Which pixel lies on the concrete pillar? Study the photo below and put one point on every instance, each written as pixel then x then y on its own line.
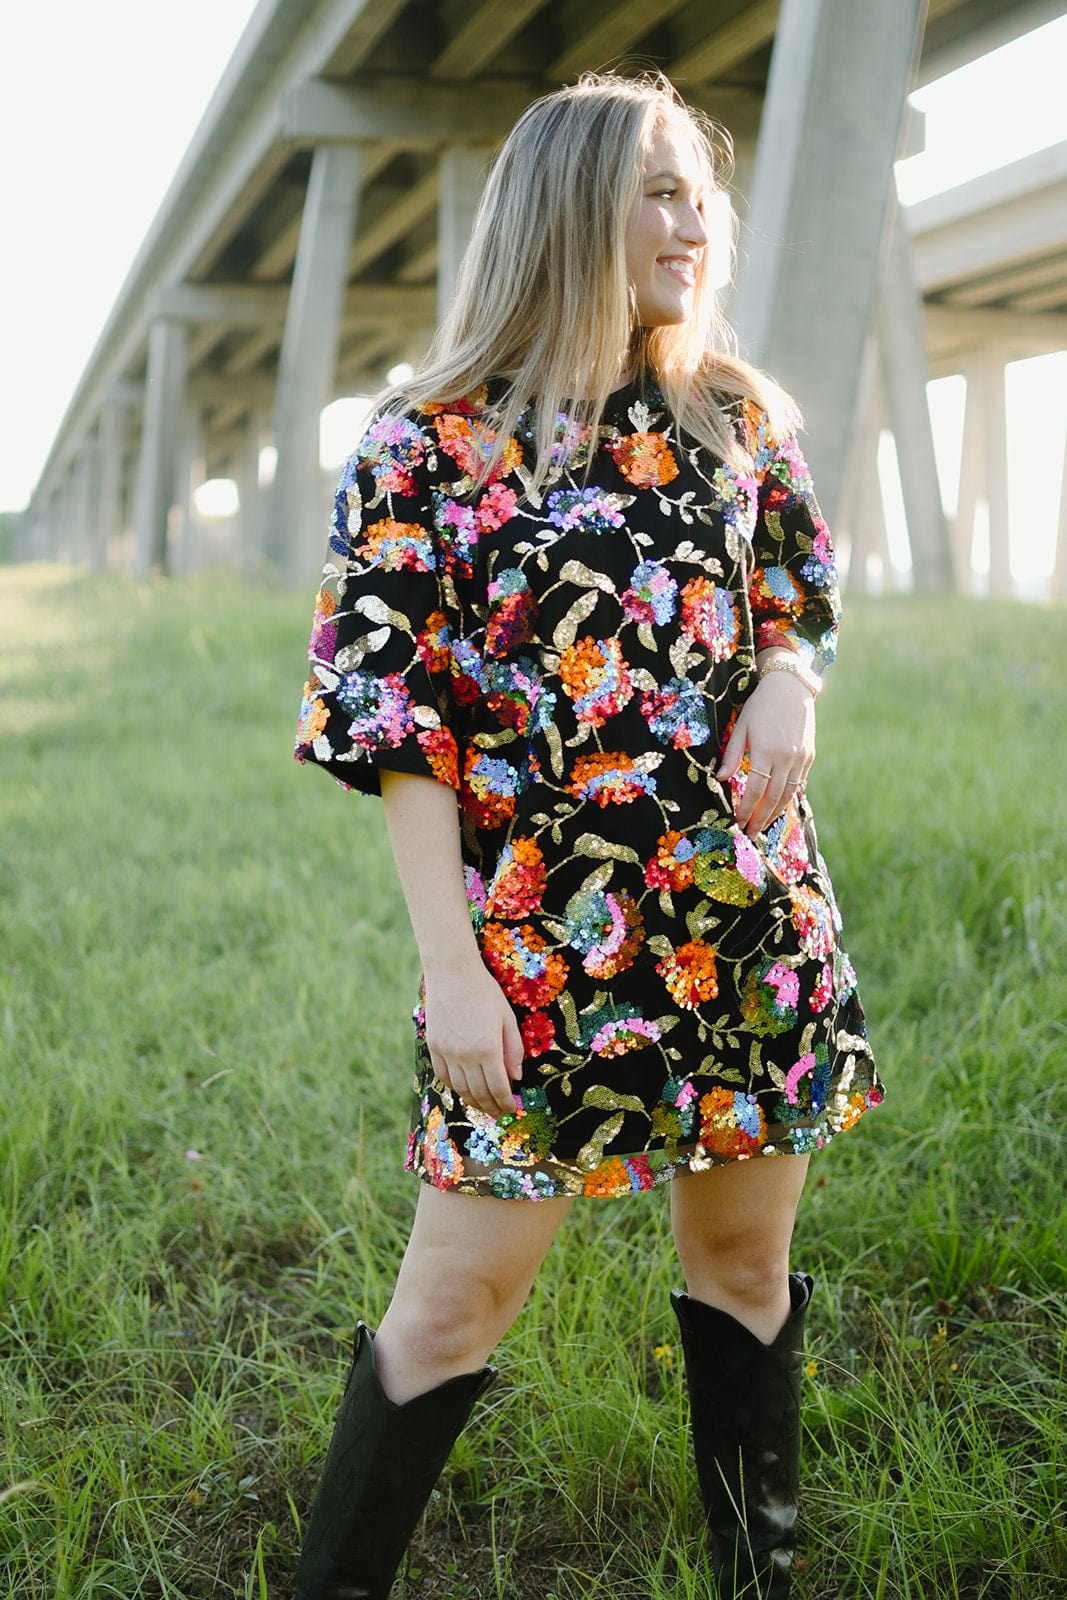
pixel 1058 584
pixel 111 490
pixel 902 346
pixel 972 481
pixel 840 72
pixel 293 541
pixel 861 512
pixel 250 511
pixel 185 532
pixel 81 505
pixel 462 173
pixel 163 407
pixel 995 427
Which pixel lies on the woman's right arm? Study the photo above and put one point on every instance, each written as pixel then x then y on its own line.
pixel 471 1032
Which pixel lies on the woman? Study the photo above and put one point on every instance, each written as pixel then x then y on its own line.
pixel 575 614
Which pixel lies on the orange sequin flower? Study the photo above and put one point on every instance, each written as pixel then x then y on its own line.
pixel 595 675
pixel 732 1125
pixel 470 446
pixel 689 973
pixel 528 972
pixel 644 459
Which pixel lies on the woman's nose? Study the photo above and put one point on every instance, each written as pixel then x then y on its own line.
pixel 692 228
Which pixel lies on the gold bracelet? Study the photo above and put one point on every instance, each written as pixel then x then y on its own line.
pixel 784 664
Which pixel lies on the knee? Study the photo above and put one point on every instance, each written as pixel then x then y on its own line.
pixel 454 1324
pixel 749 1266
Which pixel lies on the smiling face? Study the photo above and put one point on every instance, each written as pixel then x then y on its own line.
pixel 667 235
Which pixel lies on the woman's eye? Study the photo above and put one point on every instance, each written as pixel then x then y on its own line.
pixel 664 194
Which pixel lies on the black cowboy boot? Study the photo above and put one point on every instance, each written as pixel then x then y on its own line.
pixel 383 1462
pixel 744 1398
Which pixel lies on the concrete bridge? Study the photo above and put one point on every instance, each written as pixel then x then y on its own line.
pixel 316 223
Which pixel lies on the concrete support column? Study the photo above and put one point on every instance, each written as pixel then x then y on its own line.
pixel 1058 581
pixel 995 454
pixel 861 511
pixel 902 344
pixel 840 73
pixel 163 407
pixel 81 497
pixel 294 540
pixel 462 174
pixel 111 490
pixel 250 512
pixel 185 532
pixel 972 480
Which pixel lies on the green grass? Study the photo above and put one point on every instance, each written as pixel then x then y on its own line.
pixel 205 1054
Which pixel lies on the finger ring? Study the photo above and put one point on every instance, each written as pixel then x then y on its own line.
pixel 792 783
pixel 759 772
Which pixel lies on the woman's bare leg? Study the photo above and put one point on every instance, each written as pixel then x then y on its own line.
pixel 732 1229
pixel 466 1272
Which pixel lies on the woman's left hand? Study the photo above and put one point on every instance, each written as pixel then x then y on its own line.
pixel 776 726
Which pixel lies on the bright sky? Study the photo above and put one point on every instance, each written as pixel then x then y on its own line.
pixel 99 102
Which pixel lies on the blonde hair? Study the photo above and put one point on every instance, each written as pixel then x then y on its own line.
pixel 543 300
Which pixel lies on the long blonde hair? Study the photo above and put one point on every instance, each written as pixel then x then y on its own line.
pixel 543 300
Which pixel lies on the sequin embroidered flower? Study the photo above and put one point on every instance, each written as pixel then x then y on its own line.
pixel 813 920
pixel 470 444
pixel 710 617
pixel 616 1028
pixel 323 643
pixel 610 778
pixel 495 507
pixel 468 673
pixel 458 529
pixel 776 589
pixel 728 866
pixel 672 865
pixel 434 643
pixel 519 880
pixel 677 713
pixel 444 1164
pixel 732 1125
pixel 490 784
pixel 690 974
pixel 393 546
pixel 512 611
pixel 644 459
pixel 593 509
pixel 737 494
pixel 607 930
pixel 393 447
pixel 610 1178
pixel 439 748
pixel 652 594
pixel 786 849
pixel 538 1033
pixel 808 1079
pixel 313 715
pixel 769 998
pixel 820 569
pixel 380 709
pixel 517 696
pixel 823 991
pixel 527 1133
pixel 595 675
pixel 529 973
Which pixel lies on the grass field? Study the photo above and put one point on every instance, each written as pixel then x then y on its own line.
pixel 201 1194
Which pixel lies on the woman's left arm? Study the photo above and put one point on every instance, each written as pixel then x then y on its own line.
pixel 795 603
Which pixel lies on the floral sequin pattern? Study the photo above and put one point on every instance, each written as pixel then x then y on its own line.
pixel 571 665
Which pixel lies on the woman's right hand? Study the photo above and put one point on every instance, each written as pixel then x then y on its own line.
pixel 472 1036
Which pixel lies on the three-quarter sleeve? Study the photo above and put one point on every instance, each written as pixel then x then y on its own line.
pixel 793 591
pixel 378 690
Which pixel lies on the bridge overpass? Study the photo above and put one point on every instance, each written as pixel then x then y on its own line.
pixel 316 223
